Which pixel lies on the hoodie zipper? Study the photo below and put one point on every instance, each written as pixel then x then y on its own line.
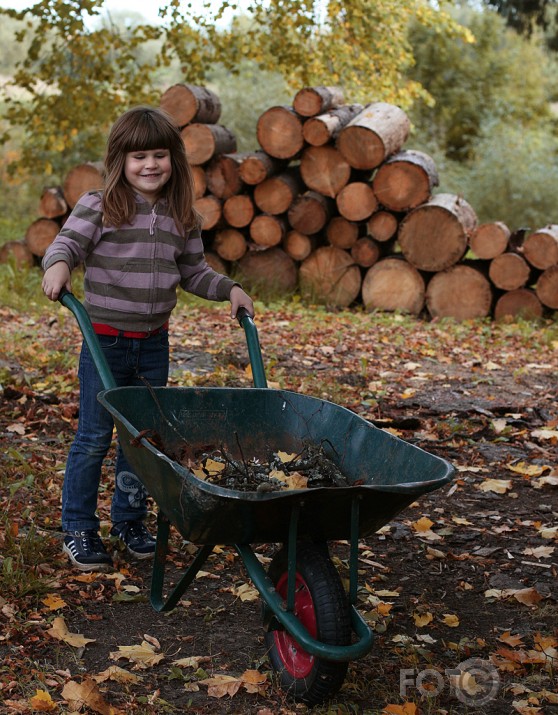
pixel 152 223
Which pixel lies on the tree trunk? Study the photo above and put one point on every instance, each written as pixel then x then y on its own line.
pixel 40 234
pixel 540 248
pixel 460 292
pixel 489 239
pixel 211 210
pixel 547 287
pixel 267 230
pixel 18 252
pixel 276 194
pixel 365 252
pixel 230 244
pixel 377 132
pixel 52 203
pixel 223 176
pixel 299 246
pixel 238 211
pixel 325 170
pixel 324 128
pixel 392 284
pixel 200 181
pixel 329 275
pixel 204 141
pixel 268 271
pixel 310 212
pixel 257 166
pixel 310 101
pixel 356 201
pixel 509 271
pixel 342 233
pixel 405 180
pixel 434 236
pixel 188 103
pixel 520 303
pixel 382 226
pixel 279 132
pixel 80 179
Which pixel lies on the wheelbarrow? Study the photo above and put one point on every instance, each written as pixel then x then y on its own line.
pixel 311 623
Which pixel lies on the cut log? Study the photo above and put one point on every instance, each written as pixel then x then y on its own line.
pixel 460 292
pixel 82 178
pixel 324 128
pixel 239 210
pixel 310 101
pixel 489 240
pixel 382 226
pixel 223 175
pixel 324 169
pixel 392 284
pixel 547 287
pixel 40 234
pixel 210 209
pixel 213 261
pixel 299 246
pixel 186 103
pixel 310 212
pixel 509 271
pixel 405 180
pixel 329 275
pixel 377 132
pixel 434 236
pixel 540 248
pixel 200 181
pixel 267 230
pixel 520 303
pixel 365 252
pixel 268 271
pixel 342 233
pixel 258 166
pixel 279 132
pixel 356 201
pixel 230 244
pixel 17 252
pixel 276 194
pixel 52 203
pixel 204 141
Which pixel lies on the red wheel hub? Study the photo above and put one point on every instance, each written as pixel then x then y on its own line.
pixel 297 661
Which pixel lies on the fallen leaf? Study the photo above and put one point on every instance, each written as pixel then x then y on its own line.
pixel 528 596
pixel 451 620
pixel 42 702
pixel 221 685
pixel 500 486
pixel 511 640
pixel 527 470
pixel 539 552
pixel 192 661
pixel 422 619
pixel 53 602
pixel 119 675
pixel 423 524
pixel 87 694
pixel 60 631
pixel 246 592
pixel 143 655
pixel 405 709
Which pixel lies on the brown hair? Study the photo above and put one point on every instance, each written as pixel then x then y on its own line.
pixel 142 129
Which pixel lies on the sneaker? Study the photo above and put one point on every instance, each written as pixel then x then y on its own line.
pixel 136 537
pixel 86 551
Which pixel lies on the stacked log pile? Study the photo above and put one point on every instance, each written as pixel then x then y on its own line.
pixel 332 204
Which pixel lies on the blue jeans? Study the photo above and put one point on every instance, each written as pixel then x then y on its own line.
pixel 128 359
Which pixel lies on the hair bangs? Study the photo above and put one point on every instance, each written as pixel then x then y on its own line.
pixel 148 133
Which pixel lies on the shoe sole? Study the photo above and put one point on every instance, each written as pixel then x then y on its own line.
pixel 101 567
pixel 140 557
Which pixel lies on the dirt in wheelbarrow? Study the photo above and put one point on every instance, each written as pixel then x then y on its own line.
pixel 460 588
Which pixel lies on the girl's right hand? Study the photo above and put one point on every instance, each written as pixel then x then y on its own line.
pixel 55 278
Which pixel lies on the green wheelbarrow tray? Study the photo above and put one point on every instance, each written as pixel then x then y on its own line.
pixel 385 475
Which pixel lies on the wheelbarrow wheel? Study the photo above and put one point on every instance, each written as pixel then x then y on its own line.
pixel 321 605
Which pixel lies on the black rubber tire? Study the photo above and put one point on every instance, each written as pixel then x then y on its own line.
pixel 320 586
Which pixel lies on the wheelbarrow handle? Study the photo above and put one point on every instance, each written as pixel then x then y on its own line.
pixel 254 350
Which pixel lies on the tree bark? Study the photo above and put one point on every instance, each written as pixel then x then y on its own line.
pixel 204 141
pixel 460 292
pixel 365 252
pixel 211 210
pixel 268 271
pixel 310 101
pixel 298 245
pixel 230 244
pixel 434 236
pixel 342 233
pixel 329 275
pixel 489 239
pixel 223 176
pixel 276 194
pixel 40 234
pixel 324 169
pixel 547 287
pixel 310 212
pixel 267 230
pixel 80 179
pixel 258 166
pixel 540 248
pixel 520 303
pixel 279 132
pixel 324 128
pixel 239 210
pixel 52 203
pixel 509 271
pixel 405 180
pixel 378 131
pixel 18 252
pixel 356 201
pixel 186 103
pixel 382 226
pixel 392 284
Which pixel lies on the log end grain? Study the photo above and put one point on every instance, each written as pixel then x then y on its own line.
pixel 460 292
pixel 186 103
pixel 402 184
pixel 324 169
pixel 489 240
pixel 17 252
pixel 310 101
pixel 268 272
pixel 540 248
pixel 80 179
pixel 520 303
pixel 267 230
pixel 509 271
pixel 279 132
pixel 210 209
pixel 382 226
pixel 547 287
pixel 391 285
pixel 238 210
pixel 330 276
pixel 356 201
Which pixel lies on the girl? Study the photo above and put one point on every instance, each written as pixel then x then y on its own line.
pixel 138 239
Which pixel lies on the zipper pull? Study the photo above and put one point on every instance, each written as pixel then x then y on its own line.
pixel 153 220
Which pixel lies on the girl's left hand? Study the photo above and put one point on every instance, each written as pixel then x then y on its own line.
pixel 240 299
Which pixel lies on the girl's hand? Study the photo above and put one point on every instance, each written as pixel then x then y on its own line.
pixel 55 278
pixel 240 299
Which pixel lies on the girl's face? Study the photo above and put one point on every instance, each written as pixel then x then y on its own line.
pixel 148 171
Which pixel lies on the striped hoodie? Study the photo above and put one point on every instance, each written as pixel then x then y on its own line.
pixel 132 272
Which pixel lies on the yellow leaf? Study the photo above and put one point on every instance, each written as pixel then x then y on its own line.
pixel 277 474
pixel 422 619
pixel 213 467
pixel 510 640
pixel 143 655
pixel 199 473
pixel 192 661
pixel 527 470
pixel 119 675
pixel 450 620
pixel 42 702
pixel 500 486
pixel 405 709
pixel 87 694
pixel 60 631
pixel 384 608
pixel 53 602
pixel 221 685
pixel 296 481
pixel 246 592
pixel 422 524
pixel 286 457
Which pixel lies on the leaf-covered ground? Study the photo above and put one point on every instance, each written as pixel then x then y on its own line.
pixel 467 572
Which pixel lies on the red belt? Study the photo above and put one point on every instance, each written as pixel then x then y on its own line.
pixel 102 329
